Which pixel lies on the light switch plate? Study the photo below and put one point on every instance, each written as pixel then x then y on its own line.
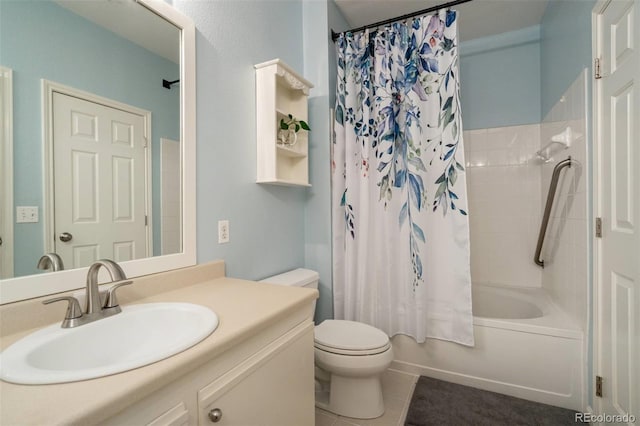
pixel 27 214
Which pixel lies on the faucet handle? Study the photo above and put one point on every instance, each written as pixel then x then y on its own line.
pixel 73 308
pixel 111 300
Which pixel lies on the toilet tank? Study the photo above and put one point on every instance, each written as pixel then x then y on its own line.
pixel 297 278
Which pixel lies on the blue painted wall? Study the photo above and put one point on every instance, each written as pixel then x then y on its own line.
pixel 565 47
pixel 500 79
pixel 338 23
pixel 566 51
pixel 267 224
pixel 43 40
pixel 318 18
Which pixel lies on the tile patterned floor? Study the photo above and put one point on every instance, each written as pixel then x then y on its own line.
pixel 397 388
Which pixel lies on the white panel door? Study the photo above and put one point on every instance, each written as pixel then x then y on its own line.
pixel 99 182
pixel 617 163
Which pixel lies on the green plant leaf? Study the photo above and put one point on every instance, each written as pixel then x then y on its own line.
pixel 441 188
pixel 297 127
pixel 304 125
pixel 283 125
pixel 453 175
pixel 290 117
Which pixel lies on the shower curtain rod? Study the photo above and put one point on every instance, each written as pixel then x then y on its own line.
pixel 335 35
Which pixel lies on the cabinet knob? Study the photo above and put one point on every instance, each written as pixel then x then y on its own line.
pixel 215 415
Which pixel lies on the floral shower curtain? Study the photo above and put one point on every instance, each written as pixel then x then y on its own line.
pixel 400 226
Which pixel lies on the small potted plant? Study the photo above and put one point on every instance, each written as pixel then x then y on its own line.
pixel 289 128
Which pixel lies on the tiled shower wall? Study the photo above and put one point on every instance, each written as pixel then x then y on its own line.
pixel 503 181
pixel 565 251
pixel 507 191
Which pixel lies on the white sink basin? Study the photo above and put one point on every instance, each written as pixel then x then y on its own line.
pixel 139 335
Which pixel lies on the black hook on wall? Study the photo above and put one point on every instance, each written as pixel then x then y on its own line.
pixel 167 84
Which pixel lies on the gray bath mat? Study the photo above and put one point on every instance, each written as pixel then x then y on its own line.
pixel 438 403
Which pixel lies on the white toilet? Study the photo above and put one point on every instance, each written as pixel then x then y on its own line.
pixel 350 357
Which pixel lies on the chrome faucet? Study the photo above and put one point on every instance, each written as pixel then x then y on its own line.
pixel 95 308
pixel 51 261
pixel 93 292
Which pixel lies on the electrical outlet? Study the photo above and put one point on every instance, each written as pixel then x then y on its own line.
pixel 223 231
pixel 26 214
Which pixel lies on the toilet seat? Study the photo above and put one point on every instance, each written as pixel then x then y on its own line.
pixel 339 351
pixel 350 338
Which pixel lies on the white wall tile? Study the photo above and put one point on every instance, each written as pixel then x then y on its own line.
pixel 579 206
pixel 565 272
pixel 504 205
pixel 496 138
pixel 467 138
pixel 479 138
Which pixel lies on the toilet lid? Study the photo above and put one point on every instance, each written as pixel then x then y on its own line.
pixel 349 336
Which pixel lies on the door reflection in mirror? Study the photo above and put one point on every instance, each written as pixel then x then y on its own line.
pixel 100 185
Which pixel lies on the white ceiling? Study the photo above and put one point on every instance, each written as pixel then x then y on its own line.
pixel 132 21
pixel 478 18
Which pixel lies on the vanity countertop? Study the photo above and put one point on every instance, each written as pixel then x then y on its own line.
pixel 243 307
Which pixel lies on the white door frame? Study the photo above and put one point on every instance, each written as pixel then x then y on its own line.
pixel 598 190
pixel 48 89
pixel 6 162
pixel 595 212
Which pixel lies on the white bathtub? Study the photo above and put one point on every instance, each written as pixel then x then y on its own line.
pixel 501 303
pixel 525 346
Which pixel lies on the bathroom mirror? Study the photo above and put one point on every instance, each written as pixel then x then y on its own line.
pixel 103 149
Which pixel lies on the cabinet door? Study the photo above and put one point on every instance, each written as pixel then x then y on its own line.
pixel 157 410
pixel 273 387
pixel 177 416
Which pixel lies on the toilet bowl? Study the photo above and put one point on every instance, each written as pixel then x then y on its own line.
pixel 349 356
pixel 354 355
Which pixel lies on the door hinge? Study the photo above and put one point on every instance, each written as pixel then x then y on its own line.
pixel 597 69
pixel 598 227
pixel 599 386
pixel 146 220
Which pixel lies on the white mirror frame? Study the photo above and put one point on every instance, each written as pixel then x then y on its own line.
pixel 15 289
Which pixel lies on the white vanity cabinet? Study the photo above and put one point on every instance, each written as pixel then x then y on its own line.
pixel 265 389
pixel 266 380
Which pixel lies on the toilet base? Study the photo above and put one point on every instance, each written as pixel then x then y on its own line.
pixel 356 397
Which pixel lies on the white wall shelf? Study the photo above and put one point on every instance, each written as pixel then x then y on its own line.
pixel 287 151
pixel 281 91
